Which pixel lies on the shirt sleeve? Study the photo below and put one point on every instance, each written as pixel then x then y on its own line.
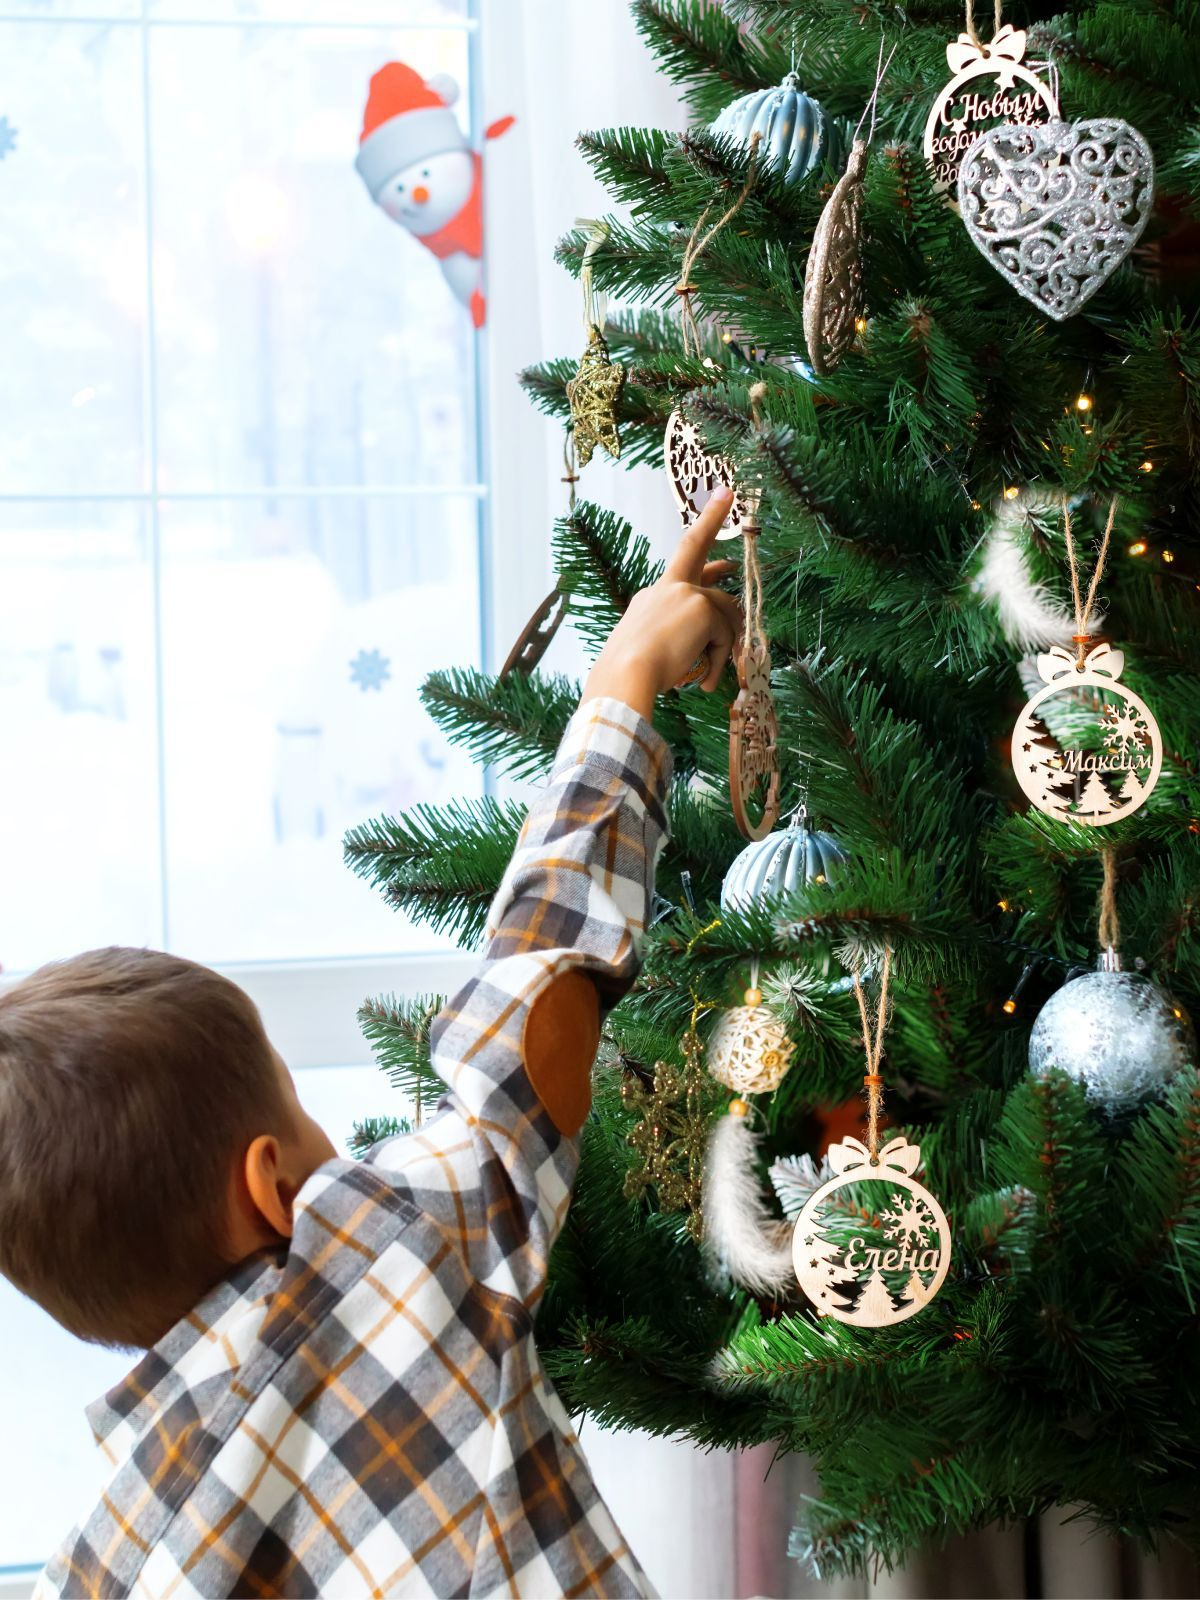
pixel 574 898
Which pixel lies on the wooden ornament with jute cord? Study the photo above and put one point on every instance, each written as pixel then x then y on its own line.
pixel 1085 748
pixel 871 1246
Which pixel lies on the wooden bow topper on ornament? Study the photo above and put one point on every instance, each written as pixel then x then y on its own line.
pixel 850 1153
pixel 876 1261
pixel 694 472
pixel 1007 50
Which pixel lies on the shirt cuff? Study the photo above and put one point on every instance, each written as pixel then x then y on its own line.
pixel 609 733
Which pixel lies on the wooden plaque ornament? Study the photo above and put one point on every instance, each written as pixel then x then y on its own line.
pixel 694 472
pixel 970 104
pixel 534 638
pixel 1085 748
pixel 871 1256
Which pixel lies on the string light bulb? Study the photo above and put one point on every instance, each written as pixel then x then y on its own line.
pixel 1138 547
pixel 1083 402
pixel 1146 466
pixel 860 324
pixel 1168 556
pixel 1010 1005
pixel 1011 492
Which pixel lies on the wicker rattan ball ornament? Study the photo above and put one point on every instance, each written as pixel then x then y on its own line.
pixel 796 136
pixel 785 860
pixel 749 1050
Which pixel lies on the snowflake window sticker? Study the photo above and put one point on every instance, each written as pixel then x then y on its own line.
pixel 370 670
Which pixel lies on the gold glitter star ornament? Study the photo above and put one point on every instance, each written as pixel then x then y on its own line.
pixel 593 394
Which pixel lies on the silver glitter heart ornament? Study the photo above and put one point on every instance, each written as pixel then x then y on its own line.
pixel 1057 207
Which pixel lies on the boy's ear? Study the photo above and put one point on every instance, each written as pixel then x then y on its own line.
pixel 266 1185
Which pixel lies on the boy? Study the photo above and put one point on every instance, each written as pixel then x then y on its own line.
pixel 341 1394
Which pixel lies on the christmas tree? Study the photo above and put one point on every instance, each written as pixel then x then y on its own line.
pixel 911 549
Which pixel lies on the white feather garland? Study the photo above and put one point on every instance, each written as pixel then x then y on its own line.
pixel 742 1241
pixel 1025 609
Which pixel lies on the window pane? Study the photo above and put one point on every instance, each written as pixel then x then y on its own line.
pixel 296 633
pixel 69 8
pixel 50 1471
pixel 78 807
pixel 389 13
pixel 303 337
pixel 72 260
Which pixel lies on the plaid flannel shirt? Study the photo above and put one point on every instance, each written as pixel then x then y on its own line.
pixel 368 1414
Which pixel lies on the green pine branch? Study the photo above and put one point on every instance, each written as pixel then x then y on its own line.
pixel 513 723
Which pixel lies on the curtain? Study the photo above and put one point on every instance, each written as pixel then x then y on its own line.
pixel 704 1524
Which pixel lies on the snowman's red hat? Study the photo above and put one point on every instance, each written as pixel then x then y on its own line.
pixel 407 120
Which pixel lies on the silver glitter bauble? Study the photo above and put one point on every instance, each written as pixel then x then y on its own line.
pixel 797 137
pixel 1119 1035
pixel 785 860
pixel 1056 208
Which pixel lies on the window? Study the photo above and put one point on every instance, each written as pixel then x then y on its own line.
pixel 241 516
pixel 241 496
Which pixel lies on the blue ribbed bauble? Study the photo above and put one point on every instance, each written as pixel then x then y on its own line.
pixel 797 136
pixel 785 860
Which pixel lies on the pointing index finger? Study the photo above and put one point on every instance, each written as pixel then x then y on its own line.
pixel 687 564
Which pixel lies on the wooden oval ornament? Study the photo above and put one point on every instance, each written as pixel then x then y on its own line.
pixel 871 1264
pixel 1085 748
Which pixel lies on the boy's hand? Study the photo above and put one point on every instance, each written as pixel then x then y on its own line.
pixel 666 627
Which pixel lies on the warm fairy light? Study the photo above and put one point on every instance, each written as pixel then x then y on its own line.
pixel 1004 905
pixel 1009 1007
pixel 1138 547
pixel 819 877
pixel 1168 556
pixel 1177 1012
pixel 1146 466
pixel 1011 492
pixel 1083 403
pixel 975 506
pixel 861 324
pixel 727 337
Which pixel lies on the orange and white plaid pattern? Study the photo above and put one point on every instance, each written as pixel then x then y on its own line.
pixel 367 1416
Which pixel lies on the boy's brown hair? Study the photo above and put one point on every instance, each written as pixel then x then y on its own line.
pixel 130 1082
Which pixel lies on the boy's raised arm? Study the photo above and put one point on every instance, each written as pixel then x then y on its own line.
pixel 564 933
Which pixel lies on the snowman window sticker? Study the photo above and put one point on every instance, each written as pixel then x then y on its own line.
pixel 419 169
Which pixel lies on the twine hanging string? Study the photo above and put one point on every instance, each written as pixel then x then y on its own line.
pixel 570 468
pixel 874 1026
pixel 754 636
pixel 699 243
pixel 1109 927
pixel 871 108
pixel 595 304
pixel 997 14
pixel 1083 608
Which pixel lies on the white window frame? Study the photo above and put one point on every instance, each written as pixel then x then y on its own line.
pixel 309 1007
